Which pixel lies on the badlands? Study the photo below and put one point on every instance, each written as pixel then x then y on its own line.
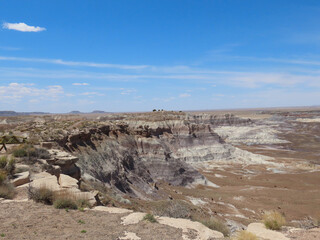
pixel 161 175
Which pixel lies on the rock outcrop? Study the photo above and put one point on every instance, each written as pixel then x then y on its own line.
pixel 138 151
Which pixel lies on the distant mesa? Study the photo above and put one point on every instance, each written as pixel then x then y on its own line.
pixel 13 113
pixel 75 112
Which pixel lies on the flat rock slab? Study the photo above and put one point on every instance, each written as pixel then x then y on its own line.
pixel 202 232
pixel 132 218
pixel 111 209
pixel 61 158
pixel 49 182
pixel 260 230
pixel 21 178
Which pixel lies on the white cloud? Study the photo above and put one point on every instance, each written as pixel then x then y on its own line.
pixel 184 95
pixel 74 63
pixel 22 27
pixel 127 92
pixel 19 91
pixel 92 94
pixel 80 84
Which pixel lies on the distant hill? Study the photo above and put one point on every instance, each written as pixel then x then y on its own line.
pixel 75 112
pixel 13 113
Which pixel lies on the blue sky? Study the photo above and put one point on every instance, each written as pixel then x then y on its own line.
pixel 137 55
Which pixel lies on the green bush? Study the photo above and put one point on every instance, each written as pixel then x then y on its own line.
pixel 19 152
pixel 149 217
pixel 42 195
pixel 28 150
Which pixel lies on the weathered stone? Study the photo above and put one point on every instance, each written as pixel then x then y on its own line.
pixel 43 180
pixel 47 145
pixel 260 230
pixel 66 181
pixel 21 178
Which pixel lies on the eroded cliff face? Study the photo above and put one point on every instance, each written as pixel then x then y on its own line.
pixel 136 152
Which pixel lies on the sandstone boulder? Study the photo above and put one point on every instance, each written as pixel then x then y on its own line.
pixel 45 180
pixel 21 178
pixel 260 230
pixel 66 181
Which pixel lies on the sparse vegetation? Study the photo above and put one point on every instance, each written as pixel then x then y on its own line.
pixel 215 224
pixel 29 151
pixel 81 222
pixel 150 218
pixel 7 190
pixel 42 195
pixel 83 231
pixel 273 220
pixel 245 235
pixel 7 167
pixel 3 176
pixel 175 209
pixel 65 199
pixel 3 161
pixel 61 203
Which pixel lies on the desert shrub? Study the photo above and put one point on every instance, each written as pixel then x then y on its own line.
pixel 215 224
pixel 3 176
pixel 7 190
pixel 83 203
pixel 24 150
pixel 3 161
pixel 175 209
pixel 65 199
pixel 42 153
pixel 245 235
pixel 149 217
pixel 273 220
pixel 11 166
pixel 42 195
pixel 19 152
pixel 61 203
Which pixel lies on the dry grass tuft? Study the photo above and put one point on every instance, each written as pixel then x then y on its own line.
pixel 66 199
pixel 61 199
pixel 215 224
pixel 42 195
pixel 149 217
pixel 7 190
pixel 273 220
pixel 245 235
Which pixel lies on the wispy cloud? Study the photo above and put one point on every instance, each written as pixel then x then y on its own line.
pixel 127 91
pixel 22 27
pixel 9 48
pixel 80 84
pixel 184 95
pixel 73 63
pixel 19 91
pixel 92 94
